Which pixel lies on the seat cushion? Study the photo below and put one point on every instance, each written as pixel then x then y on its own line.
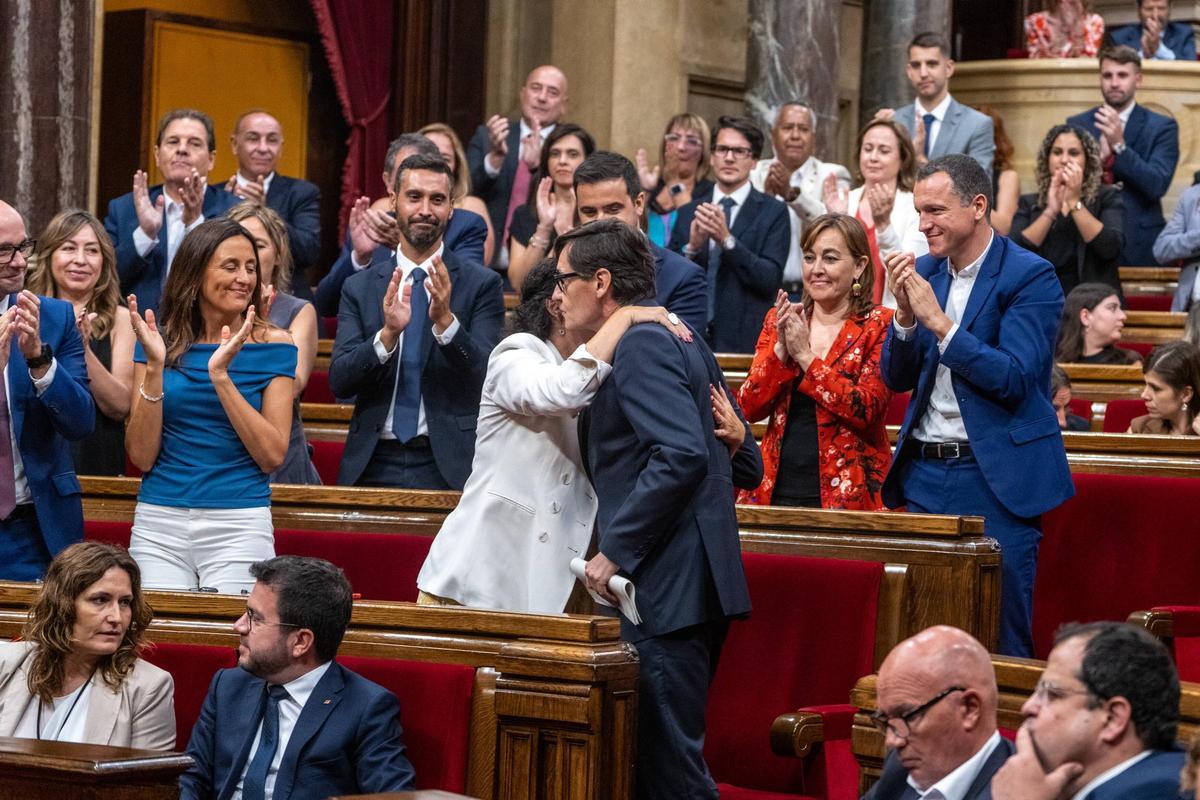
pixel 1119 413
pixel 380 566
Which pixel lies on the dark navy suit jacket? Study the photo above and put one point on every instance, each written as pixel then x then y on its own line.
pixel 145 276
pixel 1178 37
pixel 298 202
pixel 495 191
pixel 346 741
pixel 451 379
pixel 893 782
pixel 664 483
pixel 464 236
pixel 1144 170
pixel 45 426
pixel 750 274
pixel 1155 777
pixel 680 287
pixel 1000 359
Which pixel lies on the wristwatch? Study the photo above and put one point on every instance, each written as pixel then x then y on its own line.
pixel 1119 148
pixel 729 242
pixel 43 359
pixel 1078 206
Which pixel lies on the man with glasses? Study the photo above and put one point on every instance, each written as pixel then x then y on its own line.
pixel 937 701
pixel 739 236
pixel 44 406
pixel 289 721
pixel 1102 723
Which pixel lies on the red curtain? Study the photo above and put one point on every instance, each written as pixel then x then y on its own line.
pixel 358 36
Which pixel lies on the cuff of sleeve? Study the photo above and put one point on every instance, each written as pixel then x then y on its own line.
pixel 585 357
pixel 944 343
pixel 902 333
pixel 143 243
pixel 43 383
pixel 357 266
pixel 488 168
pixel 382 353
pixel 445 337
pixel 195 222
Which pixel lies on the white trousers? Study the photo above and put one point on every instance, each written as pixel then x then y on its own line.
pixel 185 549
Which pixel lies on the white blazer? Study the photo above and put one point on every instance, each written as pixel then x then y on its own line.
pixel 903 233
pixel 528 508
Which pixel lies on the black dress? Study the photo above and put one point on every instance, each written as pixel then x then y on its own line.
pixel 1074 260
pixel 1111 355
pixel 798 481
pixel 102 453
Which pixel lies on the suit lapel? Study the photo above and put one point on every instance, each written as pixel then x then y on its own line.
pixel 103 706
pixel 19 383
pixel 948 128
pixel 983 781
pixel 321 703
pixel 985 281
pixel 1133 128
pixel 161 248
pixel 278 193
pixel 747 214
pixel 251 695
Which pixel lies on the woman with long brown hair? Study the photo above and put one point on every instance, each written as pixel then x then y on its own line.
pixel 450 146
pixel 76 676
pixel 680 176
pixel 211 417
pixel 1006 183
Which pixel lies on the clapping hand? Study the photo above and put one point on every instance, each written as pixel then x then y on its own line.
pixel 150 215
pixel 647 176
pixel 1151 36
pixel 712 221
pixel 231 344
pixel 918 142
pixel 922 303
pixel 797 336
pixel 834 196
pixel 497 127
pixel 191 196
pixel 438 285
pixel 897 264
pixel 397 309
pixel 1112 130
pixel 1072 186
pixel 6 333
pixel 783 307
pixel 254 190
pixel 531 146
pixel 881 198
pixel 1055 194
pixel 83 324
pixel 779 181
pixel 148 335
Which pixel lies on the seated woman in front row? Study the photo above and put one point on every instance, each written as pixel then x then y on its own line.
pixel 1091 325
pixel 1172 391
pixel 77 677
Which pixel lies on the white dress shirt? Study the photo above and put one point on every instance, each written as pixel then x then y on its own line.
pixel 525 130
pixel 939 114
pixel 40 385
pixel 64 721
pixel 176 230
pixel 298 691
pixel 242 181
pixel 384 354
pixel 942 420
pixel 739 196
pixel 1108 775
pixel 809 178
pixel 956 785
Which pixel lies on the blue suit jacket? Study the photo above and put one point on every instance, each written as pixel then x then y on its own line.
pixel 451 378
pixel 45 426
pixel 298 202
pixel 665 483
pixel 1144 170
pixel 1178 37
pixel 495 192
pixel 464 236
pixel 1155 777
pixel 1000 358
pixel 346 741
pixel 680 287
pixel 750 274
pixel 145 276
pixel 893 781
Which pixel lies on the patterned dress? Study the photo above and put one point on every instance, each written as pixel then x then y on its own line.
pixel 1039 38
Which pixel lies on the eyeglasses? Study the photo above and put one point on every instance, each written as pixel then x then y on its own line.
pixel 689 141
pixel 723 150
pixel 1047 692
pixel 562 278
pixel 9 251
pixel 254 619
pixel 901 725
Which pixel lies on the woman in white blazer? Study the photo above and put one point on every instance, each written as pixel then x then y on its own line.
pixel 528 507
pixel 76 677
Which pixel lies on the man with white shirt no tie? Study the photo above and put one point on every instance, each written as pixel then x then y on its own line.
pixel 973 340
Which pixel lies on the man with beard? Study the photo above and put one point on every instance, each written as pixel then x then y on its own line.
pixel 289 722
pixel 413 340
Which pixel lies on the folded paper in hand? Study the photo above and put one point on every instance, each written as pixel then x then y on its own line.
pixel 623 588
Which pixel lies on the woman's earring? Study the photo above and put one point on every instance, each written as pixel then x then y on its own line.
pixel 856 288
pixel 562 331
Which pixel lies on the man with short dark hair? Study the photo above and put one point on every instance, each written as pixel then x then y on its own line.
pixel 1138 147
pixel 289 721
pixel 973 341
pixel 739 237
pixel 413 339
pixel 1102 723
pixel 1155 36
pixel 607 187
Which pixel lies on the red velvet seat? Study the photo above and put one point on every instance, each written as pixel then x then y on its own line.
pixel 1185 641
pixel 1148 302
pixel 1119 413
pixel 380 566
pixel 330 326
pixel 1123 543
pixel 897 406
pixel 192 666
pixel 317 389
pixel 810 637
pixel 327 458
pixel 1140 347
pixel 108 532
pixel 1081 407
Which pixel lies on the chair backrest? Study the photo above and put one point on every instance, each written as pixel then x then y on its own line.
pixel 1120 412
pixel 380 566
pixel 192 666
pixel 108 532
pixel 327 458
pixel 1082 407
pixel 317 389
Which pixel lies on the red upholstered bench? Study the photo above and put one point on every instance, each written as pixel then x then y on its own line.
pixel 317 389
pixel 107 532
pixel 380 566
pixel 1119 413
pixel 192 666
pixel 810 637
pixel 327 458
pixel 1139 347
pixel 1182 634
pixel 896 409
pixel 1148 302
pixel 330 326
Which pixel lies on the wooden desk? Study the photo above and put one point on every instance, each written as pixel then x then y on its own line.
pixel 38 770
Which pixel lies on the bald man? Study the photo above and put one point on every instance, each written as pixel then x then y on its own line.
pixel 503 153
pixel 936 700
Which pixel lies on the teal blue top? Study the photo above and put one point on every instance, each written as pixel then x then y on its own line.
pixel 201 462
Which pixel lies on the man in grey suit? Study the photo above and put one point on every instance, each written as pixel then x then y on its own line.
pixel 938 124
pixel 1180 241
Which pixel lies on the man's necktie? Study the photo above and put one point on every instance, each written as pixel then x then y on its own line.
pixel 8 485
pixel 408 390
pixel 714 258
pixel 928 118
pixel 254 785
pixel 519 193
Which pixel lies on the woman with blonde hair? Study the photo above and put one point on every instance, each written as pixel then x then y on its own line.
pixel 450 146
pixel 75 261
pixel 76 676
pixel 681 174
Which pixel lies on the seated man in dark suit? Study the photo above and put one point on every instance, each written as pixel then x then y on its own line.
pixel 147 225
pixel 607 187
pixel 1155 36
pixel 1101 724
pixel 739 237
pixel 413 340
pixel 937 701
pixel 1139 149
pixel 373 233
pixel 289 722
pixel 257 141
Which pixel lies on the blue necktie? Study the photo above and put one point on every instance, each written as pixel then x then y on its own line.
pixel 408 390
pixel 254 785
pixel 714 258
pixel 929 118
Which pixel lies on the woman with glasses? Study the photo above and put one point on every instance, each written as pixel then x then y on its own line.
pixel 549 208
pixel 75 261
pixel 680 176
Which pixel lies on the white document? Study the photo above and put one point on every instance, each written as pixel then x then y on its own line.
pixel 622 587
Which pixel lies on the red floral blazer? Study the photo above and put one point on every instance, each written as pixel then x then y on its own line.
pixel 851 401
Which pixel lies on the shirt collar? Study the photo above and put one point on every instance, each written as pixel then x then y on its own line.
pixel 242 181
pixel 739 194
pixel 971 270
pixel 956 785
pixel 1124 115
pixel 525 129
pixel 408 266
pixel 1109 774
pixel 939 111
pixel 301 688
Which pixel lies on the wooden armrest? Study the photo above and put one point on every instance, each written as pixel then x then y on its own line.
pixel 794 734
pixel 1167 622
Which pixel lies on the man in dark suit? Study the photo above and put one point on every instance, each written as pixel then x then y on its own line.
pixel 503 154
pixel 373 234
pixel 1155 36
pixel 937 700
pixel 44 406
pixel 607 187
pixel 664 485
pixel 739 237
pixel 412 346
pixel 1139 150
pixel 147 225
pixel 257 141
pixel 973 341
pixel 1101 724
pixel 289 722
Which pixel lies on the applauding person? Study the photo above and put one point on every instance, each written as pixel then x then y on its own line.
pixel 681 174
pixel 212 410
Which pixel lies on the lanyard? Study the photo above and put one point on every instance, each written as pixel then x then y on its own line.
pixel 78 694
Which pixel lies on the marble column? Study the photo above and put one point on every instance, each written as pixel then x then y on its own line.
pixel 889 26
pixel 792 54
pixel 45 105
